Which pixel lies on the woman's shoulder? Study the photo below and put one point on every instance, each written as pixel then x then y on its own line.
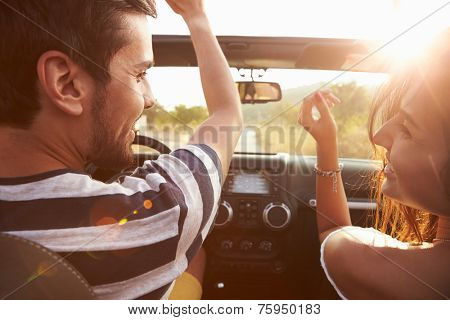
pixel 353 235
pixel 367 264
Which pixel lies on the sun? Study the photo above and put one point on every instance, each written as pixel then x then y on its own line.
pixel 412 30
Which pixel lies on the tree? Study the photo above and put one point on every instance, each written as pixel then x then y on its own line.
pixel 193 115
pixel 180 117
pixel 351 117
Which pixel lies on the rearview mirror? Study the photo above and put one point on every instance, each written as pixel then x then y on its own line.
pixel 258 92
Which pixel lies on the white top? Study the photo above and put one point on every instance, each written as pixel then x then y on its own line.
pixel 368 236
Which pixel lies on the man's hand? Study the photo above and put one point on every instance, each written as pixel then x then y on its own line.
pixel 187 8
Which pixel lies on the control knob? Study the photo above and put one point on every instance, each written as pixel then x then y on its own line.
pixel 277 216
pixel 224 214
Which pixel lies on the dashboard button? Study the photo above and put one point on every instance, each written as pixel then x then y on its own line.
pixel 226 245
pixel 265 245
pixel 246 245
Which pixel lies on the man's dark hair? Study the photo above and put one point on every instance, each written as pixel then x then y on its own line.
pixel 90 32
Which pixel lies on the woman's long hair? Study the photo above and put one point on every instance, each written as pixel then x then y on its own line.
pixel 390 216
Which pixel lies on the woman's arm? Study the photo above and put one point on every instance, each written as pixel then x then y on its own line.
pixel 222 129
pixel 332 209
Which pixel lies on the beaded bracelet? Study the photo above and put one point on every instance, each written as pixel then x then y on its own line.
pixel 329 173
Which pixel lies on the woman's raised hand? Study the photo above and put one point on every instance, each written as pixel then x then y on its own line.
pixel 187 8
pixel 323 129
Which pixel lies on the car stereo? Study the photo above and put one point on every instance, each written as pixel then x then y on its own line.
pixel 247 182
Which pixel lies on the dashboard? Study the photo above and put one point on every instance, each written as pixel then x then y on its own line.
pixel 265 244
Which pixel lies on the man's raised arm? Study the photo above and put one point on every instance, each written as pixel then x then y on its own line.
pixel 223 127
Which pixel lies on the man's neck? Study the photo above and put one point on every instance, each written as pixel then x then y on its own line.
pixel 23 153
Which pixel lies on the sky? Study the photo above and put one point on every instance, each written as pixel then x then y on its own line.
pixel 379 20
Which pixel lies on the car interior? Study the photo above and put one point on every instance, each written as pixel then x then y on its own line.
pixel 264 244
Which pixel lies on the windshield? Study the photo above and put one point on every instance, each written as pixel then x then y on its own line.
pixel 270 127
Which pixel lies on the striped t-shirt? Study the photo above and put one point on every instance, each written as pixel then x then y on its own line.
pixel 130 239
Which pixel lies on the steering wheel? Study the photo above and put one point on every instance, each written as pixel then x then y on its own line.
pixel 152 143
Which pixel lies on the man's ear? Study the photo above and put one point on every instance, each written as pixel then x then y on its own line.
pixel 62 81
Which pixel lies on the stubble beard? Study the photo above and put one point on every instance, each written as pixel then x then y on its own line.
pixel 105 152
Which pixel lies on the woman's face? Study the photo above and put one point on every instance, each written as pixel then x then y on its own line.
pixel 416 151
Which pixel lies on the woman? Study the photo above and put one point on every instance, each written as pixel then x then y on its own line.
pixel 408 257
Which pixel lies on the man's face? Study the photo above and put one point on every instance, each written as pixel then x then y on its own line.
pixel 117 106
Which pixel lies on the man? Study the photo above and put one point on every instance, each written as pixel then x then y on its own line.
pixel 72 85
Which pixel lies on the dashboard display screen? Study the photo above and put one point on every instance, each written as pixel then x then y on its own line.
pixel 248 182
